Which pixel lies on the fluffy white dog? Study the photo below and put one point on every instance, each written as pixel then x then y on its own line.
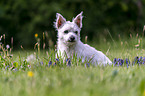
pixel 69 42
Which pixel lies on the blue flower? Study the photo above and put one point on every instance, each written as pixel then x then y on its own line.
pixel 140 60
pixel 68 62
pixel 118 62
pixel 50 63
pixel 137 59
pixel 121 62
pixel 57 59
pixel 115 61
pixel 127 62
pixel 144 60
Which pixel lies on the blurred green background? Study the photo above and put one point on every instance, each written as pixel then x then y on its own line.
pixel 21 19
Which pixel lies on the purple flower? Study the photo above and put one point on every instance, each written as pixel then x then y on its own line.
pixel 127 62
pixel 7 67
pixel 140 60
pixel 15 69
pixel 121 62
pixel 41 63
pixel 68 62
pixel 118 62
pixel 127 66
pixel 57 59
pixel 137 59
pixel 144 60
pixel 115 61
pixel 87 65
pixel 50 63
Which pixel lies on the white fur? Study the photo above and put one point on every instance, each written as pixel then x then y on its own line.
pixel 65 48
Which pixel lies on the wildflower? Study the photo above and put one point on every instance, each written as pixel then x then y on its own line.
pixel 144 93
pixel 41 63
pixel 136 60
pixel 127 62
pixel 56 61
pixel 30 74
pixel 36 35
pixel 15 69
pixel 115 61
pixel 7 67
pixel 127 66
pixel 29 66
pixel 143 60
pixel 68 62
pixel 50 63
pixel 121 62
pixel 87 65
pixel 7 46
pixel 118 62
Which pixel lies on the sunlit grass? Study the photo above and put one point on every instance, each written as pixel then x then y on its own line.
pixel 40 77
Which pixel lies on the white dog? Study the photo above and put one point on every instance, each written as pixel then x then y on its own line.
pixel 69 41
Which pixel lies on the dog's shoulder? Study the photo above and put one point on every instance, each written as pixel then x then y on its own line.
pixel 89 47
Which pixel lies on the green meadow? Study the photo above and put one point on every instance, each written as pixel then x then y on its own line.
pixel 44 76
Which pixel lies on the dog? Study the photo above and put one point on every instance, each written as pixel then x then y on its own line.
pixel 69 42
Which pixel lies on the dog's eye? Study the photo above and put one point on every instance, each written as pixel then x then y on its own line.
pixel 76 32
pixel 66 31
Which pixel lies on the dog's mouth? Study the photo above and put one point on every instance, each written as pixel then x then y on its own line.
pixel 71 41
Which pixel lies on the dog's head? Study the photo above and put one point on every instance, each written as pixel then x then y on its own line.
pixel 68 32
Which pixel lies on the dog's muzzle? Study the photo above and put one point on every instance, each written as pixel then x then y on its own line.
pixel 71 39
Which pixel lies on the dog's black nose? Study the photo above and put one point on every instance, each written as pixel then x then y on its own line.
pixel 71 39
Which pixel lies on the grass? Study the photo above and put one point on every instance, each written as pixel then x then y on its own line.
pixel 21 78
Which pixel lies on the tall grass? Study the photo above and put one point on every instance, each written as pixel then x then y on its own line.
pixel 39 73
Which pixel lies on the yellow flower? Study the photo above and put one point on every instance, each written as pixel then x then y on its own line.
pixel 36 35
pixel 144 93
pixel 30 74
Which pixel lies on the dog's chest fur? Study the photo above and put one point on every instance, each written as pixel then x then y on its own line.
pixel 81 50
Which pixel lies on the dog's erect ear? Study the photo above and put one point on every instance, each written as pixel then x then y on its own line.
pixel 60 20
pixel 78 20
